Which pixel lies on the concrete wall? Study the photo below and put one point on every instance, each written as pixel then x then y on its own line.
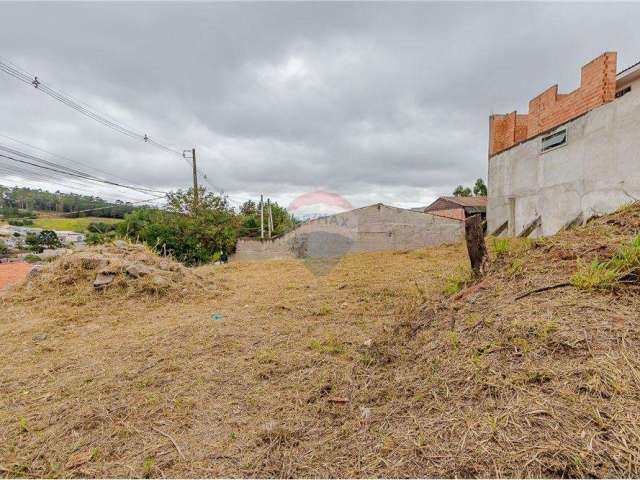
pixel 597 170
pixel 375 228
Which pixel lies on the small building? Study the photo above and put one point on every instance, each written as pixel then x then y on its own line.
pixel 375 228
pixel 459 208
pixel 573 156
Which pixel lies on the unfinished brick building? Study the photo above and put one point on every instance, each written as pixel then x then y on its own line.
pixel 570 157
pixel 550 108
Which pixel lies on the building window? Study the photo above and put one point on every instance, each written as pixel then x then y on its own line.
pixel 554 140
pixel 622 92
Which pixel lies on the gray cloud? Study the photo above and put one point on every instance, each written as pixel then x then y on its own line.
pixel 376 101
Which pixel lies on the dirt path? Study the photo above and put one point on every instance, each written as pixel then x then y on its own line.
pixel 12 273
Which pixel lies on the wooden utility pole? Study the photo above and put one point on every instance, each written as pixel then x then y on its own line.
pixel 261 217
pixel 269 218
pixel 475 244
pixel 195 179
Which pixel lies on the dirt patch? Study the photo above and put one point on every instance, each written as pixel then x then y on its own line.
pixel 12 273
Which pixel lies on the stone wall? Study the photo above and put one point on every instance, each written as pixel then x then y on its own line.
pixel 597 171
pixel 375 228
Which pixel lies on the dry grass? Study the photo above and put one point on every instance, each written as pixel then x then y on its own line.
pixel 367 371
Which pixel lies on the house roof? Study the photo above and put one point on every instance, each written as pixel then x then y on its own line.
pixel 468 201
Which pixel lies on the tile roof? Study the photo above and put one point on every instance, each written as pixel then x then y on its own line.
pixel 468 201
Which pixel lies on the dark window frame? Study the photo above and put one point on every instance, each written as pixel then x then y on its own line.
pixel 555 140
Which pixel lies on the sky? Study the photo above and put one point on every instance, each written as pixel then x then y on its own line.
pixel 377 102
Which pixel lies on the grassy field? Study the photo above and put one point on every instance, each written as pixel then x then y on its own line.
pixel 70 224
pixel 267 370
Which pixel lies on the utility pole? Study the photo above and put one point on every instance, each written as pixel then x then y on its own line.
pixel 270 219
pixel 195 179
pixel 261 218
pixel 185 154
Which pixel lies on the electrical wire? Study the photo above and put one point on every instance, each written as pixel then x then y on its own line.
pixel 54 167
pixel 85 109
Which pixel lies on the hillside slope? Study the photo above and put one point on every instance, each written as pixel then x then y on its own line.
pixel 268 370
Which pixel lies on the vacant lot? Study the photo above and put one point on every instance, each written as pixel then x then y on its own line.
pixel 257 392
pixel 70 224
pixel 369 371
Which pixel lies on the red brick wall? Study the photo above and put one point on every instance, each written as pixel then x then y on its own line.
pixel 550 109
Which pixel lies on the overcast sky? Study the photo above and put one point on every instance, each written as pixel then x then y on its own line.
pixel 378 102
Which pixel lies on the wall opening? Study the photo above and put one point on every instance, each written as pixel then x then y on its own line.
pixel 554 140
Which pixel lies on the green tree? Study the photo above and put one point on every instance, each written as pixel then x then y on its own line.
pixel 461 191
pixel 480 189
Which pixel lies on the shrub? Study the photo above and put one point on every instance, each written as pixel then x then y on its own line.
pixel 20 222
pixel 4 249
pixel 32 258
pixel 93 238
pixel 101 227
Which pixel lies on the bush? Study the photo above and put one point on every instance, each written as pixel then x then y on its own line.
pixel 20 222
pixel 4 249
pixel 49 239
pixel 101 227
pixel 12 212
pixel 32 258
pixel 93 238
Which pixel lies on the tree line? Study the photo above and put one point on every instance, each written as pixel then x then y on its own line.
pixel 68 203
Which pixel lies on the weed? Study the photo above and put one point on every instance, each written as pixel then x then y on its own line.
pixel 331 345
pixel 22 425
pixel 516 268
pixel 593 275
pixel 148 466
pixel 456 282
pixel 603 275
pixel 266 356
pixel 324 311
pixel 501 246
pixel 454 341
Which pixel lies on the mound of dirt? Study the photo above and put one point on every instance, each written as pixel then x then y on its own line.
pixel 118 269
pixel 528 372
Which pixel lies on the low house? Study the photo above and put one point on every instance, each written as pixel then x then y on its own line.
pixel 571 157
pixel 375 228
pixel 459 208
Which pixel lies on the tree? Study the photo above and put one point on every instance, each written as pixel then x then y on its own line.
pixel 49 239
pixel 182 201
pixel 461 191
pixel 248 208
pixel 480 189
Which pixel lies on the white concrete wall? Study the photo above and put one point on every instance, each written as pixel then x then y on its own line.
pixel 375 228
pixel 597 171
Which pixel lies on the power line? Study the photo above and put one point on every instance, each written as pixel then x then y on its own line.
pixel 90 112
pixel 52 178
pixel 51 166
pixel 61 157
